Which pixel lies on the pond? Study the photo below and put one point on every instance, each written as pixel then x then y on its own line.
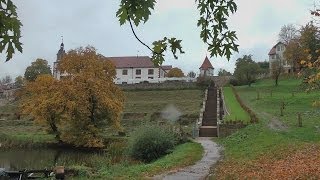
pixel 34 159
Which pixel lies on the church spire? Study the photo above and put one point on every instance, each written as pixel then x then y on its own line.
pixel 61 51
pixel 61 45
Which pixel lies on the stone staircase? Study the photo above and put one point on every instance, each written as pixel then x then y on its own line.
pixel 209 126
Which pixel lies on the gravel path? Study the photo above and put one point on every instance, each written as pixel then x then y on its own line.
pixel 201 169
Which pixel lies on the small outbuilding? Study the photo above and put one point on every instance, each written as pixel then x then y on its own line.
pixel 206 69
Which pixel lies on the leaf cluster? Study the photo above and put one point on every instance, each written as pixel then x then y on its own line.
pixel 214 29
pixel 9 29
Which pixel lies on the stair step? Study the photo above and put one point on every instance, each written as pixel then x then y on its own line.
pixel 208 131
pixel 209 123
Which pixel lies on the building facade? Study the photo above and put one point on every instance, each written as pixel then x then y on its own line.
pixel 276 54
pixel 206 69
pixel 135 69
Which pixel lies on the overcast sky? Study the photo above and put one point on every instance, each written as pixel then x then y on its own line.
pixel 84 22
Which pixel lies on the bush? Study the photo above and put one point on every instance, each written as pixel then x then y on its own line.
pixel 150 142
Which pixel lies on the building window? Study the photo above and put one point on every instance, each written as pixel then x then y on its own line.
pixel 138 71
pixel 282 48
pixel 150 77
pixel 150 71
pixel 125 72
pixel 138 77
pixel 278 48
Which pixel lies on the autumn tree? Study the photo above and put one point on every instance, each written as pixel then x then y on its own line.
pixel 175 72
pixel 192 74
pixel 223 72
pixel 310 40
pixel 81 105
pixel 9 29
pixel 287 33
pixel 95 100
pixel 44 100
pixel 294 53
pixel 246 70
pixel 39 66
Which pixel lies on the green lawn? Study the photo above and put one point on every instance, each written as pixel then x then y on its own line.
pixel 267 137
pixel 235 111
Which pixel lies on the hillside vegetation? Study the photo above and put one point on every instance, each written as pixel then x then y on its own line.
pixel 275 147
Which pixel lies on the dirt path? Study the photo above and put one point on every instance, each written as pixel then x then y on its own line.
pixel 201 169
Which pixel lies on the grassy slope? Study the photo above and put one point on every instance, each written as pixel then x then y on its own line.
pixel 234 108
pixel 187 101
pixel 257 140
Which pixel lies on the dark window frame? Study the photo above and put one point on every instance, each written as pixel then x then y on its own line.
pixel 150 71
pixel 138 70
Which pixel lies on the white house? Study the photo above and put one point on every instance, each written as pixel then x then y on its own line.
pixel 206 69
pixel 134 69
pixel 276 53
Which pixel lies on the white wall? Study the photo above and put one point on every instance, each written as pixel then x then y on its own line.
pixel 209 72
pixel 132 74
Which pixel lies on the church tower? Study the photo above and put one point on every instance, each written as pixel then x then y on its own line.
pixel 60 54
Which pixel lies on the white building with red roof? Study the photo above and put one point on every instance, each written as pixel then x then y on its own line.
pixel 206 69
pixel 276 54
pixel 132 69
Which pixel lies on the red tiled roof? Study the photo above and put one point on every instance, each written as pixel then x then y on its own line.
pixel 206 64
pixel 272 51
pixel 166 67
pixel 132 62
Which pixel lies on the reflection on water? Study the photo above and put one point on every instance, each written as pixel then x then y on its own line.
pixel 19 159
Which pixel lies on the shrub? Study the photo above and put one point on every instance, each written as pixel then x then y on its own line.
pixel 150 142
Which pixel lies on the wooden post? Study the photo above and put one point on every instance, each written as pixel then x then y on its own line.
pixel 282 106
pixel 299 120
pixel 258 95
pixel 271 93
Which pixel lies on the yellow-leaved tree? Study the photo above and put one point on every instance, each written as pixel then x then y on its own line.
pixel 175 72
pixel 89 100
pixel 43 100
pixel 95 101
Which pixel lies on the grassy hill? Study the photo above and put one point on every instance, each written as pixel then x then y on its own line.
pixel 276 143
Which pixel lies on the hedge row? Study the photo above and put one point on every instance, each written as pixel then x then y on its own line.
pixel 253 116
